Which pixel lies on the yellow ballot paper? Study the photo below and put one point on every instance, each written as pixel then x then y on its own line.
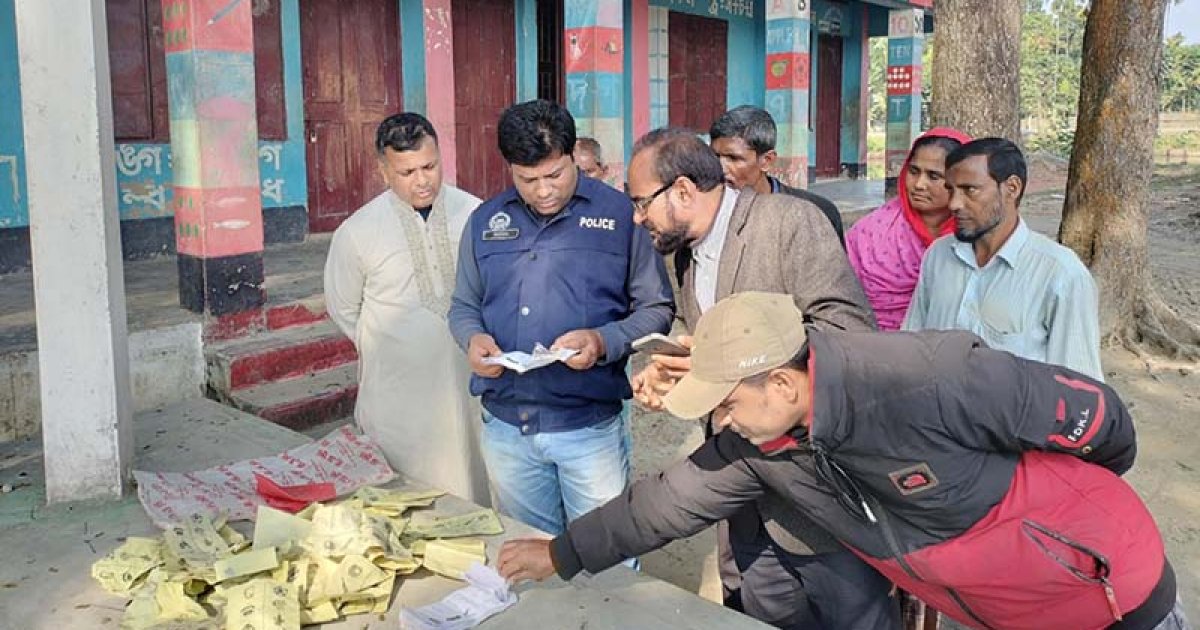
pixel 122 570
pixel 275 528
pixel 175 605
pixel 337 530
pixel 395 502
pixel 247 563
pixel 452 558
pixel 262 604
pixel 352 575
pixel 234 540
pixel 480 523
pixel 321 613
pixel 142 612
pixel 196 542
pixel 294 572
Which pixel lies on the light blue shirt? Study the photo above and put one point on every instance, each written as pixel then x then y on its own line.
pixel 1034 298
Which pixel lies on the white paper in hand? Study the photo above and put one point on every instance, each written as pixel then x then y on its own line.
pixel 522 362
pixel 486 594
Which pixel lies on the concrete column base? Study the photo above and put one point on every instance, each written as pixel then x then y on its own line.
pixel 221 285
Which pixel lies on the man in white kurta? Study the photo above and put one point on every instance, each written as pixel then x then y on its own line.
pixel 388 281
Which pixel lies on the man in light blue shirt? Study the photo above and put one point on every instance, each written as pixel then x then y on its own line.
pixel 1018 290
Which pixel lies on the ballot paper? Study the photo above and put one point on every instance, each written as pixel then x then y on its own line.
pixel 327 562
pixel 344 458
pixel 478 523
pixel 522 362
pixel 453 558
pixel 485 595
pixel 263 604
pixel 123 570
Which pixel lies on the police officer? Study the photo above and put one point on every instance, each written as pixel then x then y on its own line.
pixel 555 260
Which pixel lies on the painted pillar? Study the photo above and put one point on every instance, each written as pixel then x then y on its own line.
pixel 856 67
pixel 906 38
pixel 638 61
pixel 439 81
pixel 659 70
pixel 214 146
pixel 787 86
pixel 83 349
pixel 593 59
pixel 14 211
pixel 526 30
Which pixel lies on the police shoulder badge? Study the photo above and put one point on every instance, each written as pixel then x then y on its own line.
pixel 498 228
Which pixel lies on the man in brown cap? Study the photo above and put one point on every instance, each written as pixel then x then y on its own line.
pixel 728 241
pixel 985 484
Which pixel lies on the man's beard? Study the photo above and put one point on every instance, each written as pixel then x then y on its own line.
pixel 673 238
pixel 970 236
pixel 670 241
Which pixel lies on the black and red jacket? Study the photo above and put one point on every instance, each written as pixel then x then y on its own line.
pixel 985 484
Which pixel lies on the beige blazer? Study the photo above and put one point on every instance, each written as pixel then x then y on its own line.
pixel 782 244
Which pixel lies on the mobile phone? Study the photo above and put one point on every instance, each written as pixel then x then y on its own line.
pixel 658 343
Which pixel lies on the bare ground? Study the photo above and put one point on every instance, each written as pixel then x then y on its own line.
pixel 1164 399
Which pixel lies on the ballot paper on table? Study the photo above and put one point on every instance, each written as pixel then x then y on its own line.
pixel 486 594
pixel 522 362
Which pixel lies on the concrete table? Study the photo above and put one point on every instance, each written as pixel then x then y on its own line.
pixel 45 580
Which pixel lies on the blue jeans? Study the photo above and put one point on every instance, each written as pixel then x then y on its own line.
pixel 546 480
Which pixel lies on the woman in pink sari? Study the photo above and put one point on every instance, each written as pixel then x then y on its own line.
pixel 887 245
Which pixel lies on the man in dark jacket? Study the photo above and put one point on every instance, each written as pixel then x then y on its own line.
pixel 985 484
pixel 744 139
pixel 774 562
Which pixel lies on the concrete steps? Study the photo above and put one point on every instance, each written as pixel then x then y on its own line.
pixel 277 355
pixel 297 376
pixel 302 402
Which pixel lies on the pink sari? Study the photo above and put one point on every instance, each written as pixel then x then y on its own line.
pixel 886 253
pixel 886 248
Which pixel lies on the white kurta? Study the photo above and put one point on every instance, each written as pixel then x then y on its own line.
pixel 388 281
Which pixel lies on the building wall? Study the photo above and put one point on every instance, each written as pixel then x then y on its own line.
pixel 144 170
pixel 745 50
pixel 14 208
pixel 855 75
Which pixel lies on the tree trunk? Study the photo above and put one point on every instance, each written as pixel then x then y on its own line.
pixel 1108 185
pixel 977 67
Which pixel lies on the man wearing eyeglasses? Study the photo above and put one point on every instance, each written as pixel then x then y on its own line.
pixel 555 260
pixel 775 563
pixel 983 483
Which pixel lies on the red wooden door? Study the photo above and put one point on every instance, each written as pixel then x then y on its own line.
pixel 351 64
pixel 485 65
pixel 696 59
pixel 829 106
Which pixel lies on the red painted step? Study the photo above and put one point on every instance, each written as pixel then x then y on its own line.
pixel 277 355
pixel 303 402
pixel 271 317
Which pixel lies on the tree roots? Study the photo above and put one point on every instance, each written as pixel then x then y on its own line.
pixel 1158 330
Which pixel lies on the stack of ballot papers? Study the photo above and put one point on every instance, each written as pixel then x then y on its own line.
pixel 486 594
pixel 522 362
pixel 324 563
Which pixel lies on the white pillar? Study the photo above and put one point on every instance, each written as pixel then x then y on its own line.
pixel 83 353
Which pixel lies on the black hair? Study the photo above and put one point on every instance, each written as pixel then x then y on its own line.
pixel 1004 159
pixel 945 143
pixel 681 153
pixel 752 124
pixel 591 146
pixel 403 132
pixel 798 362
pixel 532 131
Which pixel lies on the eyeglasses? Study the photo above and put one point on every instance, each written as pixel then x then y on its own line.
pixel 641 203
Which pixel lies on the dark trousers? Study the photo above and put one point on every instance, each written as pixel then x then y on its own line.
pixel 829 591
